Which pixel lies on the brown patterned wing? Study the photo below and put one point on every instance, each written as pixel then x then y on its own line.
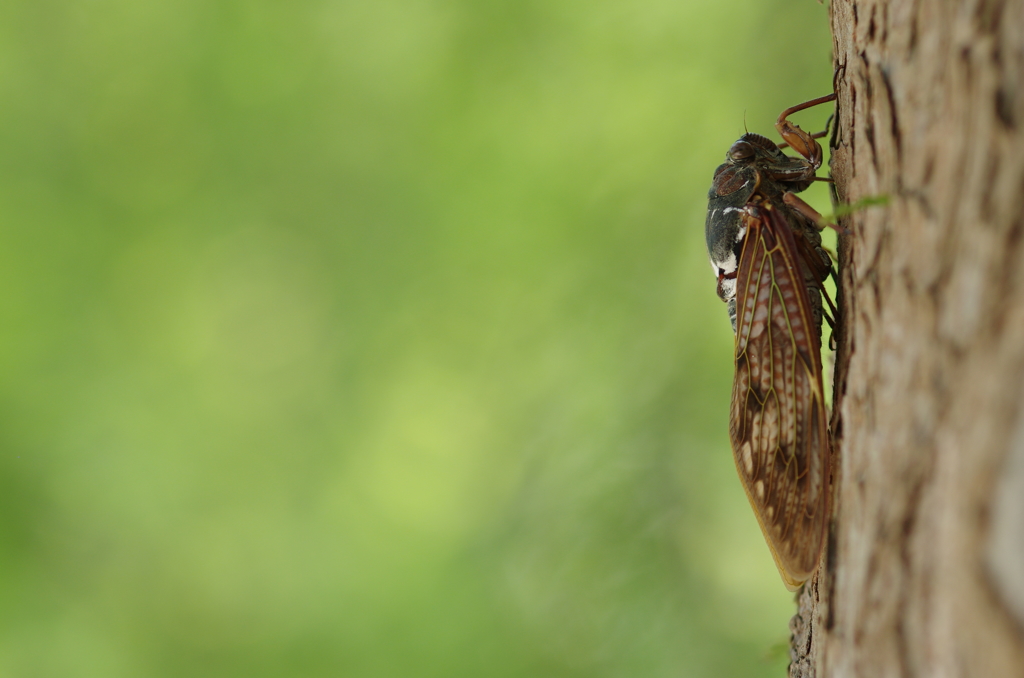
pixel 778 419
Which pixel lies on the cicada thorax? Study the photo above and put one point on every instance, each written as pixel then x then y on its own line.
pixel 757 166
pixel 732 189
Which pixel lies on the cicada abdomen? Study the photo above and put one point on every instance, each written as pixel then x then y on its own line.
pixel 765 249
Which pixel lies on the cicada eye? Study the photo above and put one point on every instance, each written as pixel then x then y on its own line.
pixel 741 150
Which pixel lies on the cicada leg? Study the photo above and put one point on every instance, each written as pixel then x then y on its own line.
pixel 799 140
pixel 817 135
pixel 797 204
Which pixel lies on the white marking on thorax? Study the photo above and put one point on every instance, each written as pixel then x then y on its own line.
pixel 725 266
pixel 728 286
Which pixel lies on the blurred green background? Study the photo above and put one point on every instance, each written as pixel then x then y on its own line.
pixel 378 339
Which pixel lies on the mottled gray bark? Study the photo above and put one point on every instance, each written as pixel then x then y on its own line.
pixel 925 570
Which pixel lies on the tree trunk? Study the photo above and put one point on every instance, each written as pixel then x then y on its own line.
pixel 924 574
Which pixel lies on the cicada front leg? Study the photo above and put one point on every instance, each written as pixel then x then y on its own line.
pixel 799 140
pixel 817 135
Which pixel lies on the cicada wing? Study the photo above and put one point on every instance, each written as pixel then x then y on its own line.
pixel 778 421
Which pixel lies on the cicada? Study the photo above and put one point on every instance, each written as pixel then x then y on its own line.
pixel 765 248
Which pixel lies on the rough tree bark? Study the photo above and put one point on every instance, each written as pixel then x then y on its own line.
pixel 924 574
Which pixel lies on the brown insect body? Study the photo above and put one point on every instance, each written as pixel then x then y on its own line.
pixel 765 248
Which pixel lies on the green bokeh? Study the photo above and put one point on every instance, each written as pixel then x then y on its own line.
pixel 377 339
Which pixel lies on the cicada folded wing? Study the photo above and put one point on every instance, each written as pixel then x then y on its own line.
pixel 778 423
